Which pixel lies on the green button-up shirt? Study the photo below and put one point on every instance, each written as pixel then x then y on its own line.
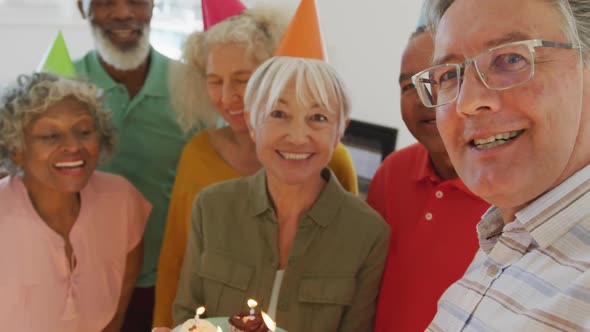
pixel 149 143
pixel 334 269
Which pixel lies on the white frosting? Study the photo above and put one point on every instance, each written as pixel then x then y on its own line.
pixel 204 326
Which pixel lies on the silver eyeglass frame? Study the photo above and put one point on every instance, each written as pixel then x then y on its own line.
pixel 427 99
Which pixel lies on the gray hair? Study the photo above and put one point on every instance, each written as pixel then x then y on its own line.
pixel 315 82
pixel 31 96
pixel 574 13
pixel 259 29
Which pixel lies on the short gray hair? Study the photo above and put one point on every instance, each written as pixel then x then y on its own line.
pixel 575 15
pixel 31 96
pixel 315 82
pixel 259 29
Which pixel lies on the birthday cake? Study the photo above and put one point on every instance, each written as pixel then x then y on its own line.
pixel 202 326
pixel 197 324
pixel 244 322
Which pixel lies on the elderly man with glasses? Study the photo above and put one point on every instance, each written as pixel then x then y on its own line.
pixel 510 84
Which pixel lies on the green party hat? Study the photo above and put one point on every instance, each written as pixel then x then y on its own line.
pixel 57 59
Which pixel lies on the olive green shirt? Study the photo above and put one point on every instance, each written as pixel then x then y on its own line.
pixel 334 269
pixel 149 143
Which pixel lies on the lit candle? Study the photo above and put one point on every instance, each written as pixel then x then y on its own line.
pixel 198 312
pixel 268 321
pixel 252 304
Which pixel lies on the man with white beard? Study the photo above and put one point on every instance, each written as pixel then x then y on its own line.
pixel 134 77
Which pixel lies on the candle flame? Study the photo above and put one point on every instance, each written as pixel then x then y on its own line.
pixel 268 321
pixel 219 329
pixel 200 310
pixel 252 303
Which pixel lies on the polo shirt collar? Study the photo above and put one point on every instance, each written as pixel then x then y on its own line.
pixel 156 79
pixel 424 165
pixel 324 210
pixel 100 75
pixel 156 83
pixel 426 172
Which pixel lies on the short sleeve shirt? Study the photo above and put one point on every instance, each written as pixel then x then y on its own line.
pixel 433 237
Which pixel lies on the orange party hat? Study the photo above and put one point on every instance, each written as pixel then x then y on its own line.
pixel 303 37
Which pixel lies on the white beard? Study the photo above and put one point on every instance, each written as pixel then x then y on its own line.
pixel 122 59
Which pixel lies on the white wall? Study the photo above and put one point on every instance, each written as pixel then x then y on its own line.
pixel 26 34
pixel 364 39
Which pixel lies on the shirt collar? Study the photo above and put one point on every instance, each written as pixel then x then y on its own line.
pixel 99 74
pixel 556 212
pixel 259 200
pixel 490 228
pixel 324 210
pixel 425 169
pixel 156 83
pixel 548 217
pixel 426 172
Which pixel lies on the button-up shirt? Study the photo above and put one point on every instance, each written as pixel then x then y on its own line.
pixel 199 167
pixel 333 272
pixel 532 274
pixel 149 143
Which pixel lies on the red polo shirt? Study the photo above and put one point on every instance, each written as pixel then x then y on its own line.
pixel 433 237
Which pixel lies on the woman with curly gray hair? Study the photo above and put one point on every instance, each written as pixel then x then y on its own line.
pixel 70 236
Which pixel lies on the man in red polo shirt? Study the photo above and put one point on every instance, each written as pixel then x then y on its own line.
pixel 431 213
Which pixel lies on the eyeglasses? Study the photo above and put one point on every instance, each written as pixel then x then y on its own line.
pixel 499 68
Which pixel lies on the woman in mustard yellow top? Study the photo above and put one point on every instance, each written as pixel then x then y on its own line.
pixel 222 58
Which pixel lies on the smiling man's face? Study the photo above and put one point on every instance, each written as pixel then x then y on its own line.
pixel 513 145
pixel 121 21
pixel 121 31
pixel 420 120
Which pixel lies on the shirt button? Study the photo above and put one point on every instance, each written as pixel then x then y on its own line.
pixel 439 194
pixel 428 216
pixel 492 271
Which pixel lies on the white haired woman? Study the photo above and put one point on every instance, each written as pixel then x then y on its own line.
pixel 70 237
pixel 289 236
pixel 220 62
